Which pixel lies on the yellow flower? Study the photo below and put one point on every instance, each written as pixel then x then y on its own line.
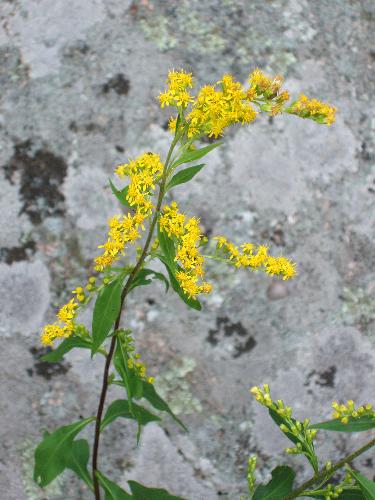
pixel 67 312
pixel 176 93
pixel 172 221
pixel 259 260
pixel 188 256
pixel 314 109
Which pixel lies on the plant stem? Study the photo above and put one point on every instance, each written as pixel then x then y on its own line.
pixel 326 474
pixel 129 281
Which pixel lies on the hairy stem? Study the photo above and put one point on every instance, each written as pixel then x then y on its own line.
pixel 326 474
pixel 129 281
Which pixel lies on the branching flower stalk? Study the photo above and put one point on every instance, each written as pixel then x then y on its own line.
pixel 118 319
pixel 177 241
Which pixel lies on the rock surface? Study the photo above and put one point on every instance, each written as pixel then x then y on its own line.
pixel 78 86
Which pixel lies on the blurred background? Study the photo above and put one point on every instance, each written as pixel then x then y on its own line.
pixel 78 81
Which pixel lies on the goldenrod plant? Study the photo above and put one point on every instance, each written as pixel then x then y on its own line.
pixel 175 239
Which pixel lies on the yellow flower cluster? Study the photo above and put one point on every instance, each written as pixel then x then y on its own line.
pixel 300 430
pixel 227 102
pixel 217 108
pixel 262 87
pixel 314 109
pixel 188 236
pixel 123 229
pixel 143 173
pixel 344 412
pixel 176 93
pixel 66 315
pixel 259 260
pixel 172 221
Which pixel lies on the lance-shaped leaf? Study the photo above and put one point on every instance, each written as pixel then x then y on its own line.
pixel 184 175
pixel 358 424
pixel 66 345
pixel 78 459
pixel 149 393
pixel 106 309
pixel 131 381
pixel 141 492
pixel 189 156
pixel 367 486
pixel 51 454
pixel 168 248
pixel 120 408
pixel 143 278
pixel 280 485
pixel 112 490
pixel 120 194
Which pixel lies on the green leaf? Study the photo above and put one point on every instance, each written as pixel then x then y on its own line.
pixel 167 247
pixel 112 490
pixel 106 309
pixel 120 194
pixel 196 154
pixel 142 278
pixel 367 486
pixel 358 424
pixel 78 459
pixel 141 492
pixel 149 393
pixel 51 454
pixel 183 176
pixel 121 364
pixel 120 408
pixel 66 345
pixel 280 485
pixel 193 303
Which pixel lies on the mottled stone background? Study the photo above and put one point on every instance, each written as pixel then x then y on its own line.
pixel 78 85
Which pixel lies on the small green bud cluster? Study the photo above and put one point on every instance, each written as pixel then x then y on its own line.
pixel 344 412
pixel 332 491
pixel 251 465
pixel 298 431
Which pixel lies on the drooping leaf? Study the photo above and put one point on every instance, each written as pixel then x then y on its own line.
pixel 78 459
pixel 357 424
pixel 120 408
pixel 66 345
pixel 367 486
pixel 52 453
pixel 193 303
pixel 184 175
pixel 280 485
pixel 149 393
pixel 141 492
pixel 195 154
pixel 142 278
pixel 112 490
pixel 106 309
pixel 120 194
pixel 120 361
pixel 167 247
